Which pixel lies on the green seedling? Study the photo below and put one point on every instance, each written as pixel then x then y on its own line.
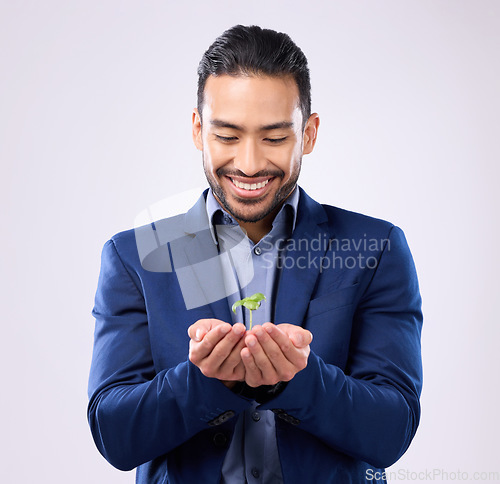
pixel 251 303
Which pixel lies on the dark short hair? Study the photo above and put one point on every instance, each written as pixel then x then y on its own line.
pixel 251 50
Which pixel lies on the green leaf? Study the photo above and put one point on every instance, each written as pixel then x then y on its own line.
pixel 251 302
pixel 257 297
pixel 251 305
pixel 236 304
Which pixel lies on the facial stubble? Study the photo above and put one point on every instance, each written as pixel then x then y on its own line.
pixel 279 197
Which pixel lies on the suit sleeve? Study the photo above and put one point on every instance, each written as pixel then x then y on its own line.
pixel 135 413
pixel 371 410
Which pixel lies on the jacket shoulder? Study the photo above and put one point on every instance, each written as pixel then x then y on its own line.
pixel 348 222
pixel 136 244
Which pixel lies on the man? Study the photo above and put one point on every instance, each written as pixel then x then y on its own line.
pixel 325 386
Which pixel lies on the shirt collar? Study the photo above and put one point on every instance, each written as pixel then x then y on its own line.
pixel 218 216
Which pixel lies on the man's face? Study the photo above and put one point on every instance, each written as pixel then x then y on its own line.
pixel 252 142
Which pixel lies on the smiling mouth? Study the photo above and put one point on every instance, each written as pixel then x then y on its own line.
pixel 249 186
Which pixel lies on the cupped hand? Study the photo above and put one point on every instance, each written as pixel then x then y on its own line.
pixel 274 353
pixel 215 348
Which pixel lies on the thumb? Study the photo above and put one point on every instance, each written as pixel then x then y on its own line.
pixel 199 334
pixel 302 338
pixel 199 329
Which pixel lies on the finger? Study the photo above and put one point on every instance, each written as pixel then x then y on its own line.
pixel 300 337
pixel 213 362
pixel 239 371
pixel 197 330
pixel 200 325
pixel 261 359
pixel 235 355
pixel 205 347
pixel 253 375
pixel 233 360
pixel 294 355
pixel 284 370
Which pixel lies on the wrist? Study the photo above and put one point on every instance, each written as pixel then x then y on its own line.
pixel 260 394
pixel 231 384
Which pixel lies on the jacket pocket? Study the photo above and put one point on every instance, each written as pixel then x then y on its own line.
pixel 339 298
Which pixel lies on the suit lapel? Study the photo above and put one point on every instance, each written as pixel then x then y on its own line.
pixel 301 264
pixel 202 273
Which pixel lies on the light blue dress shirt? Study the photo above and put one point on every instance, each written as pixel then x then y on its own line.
pixel 252 456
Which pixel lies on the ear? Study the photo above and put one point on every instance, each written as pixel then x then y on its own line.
pixel 310 133
pixel 196 129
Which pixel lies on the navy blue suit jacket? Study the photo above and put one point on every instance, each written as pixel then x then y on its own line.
pixel 355 407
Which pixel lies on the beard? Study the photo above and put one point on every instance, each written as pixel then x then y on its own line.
pixel 266 206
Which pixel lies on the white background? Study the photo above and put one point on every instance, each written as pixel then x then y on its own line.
pixel 95 109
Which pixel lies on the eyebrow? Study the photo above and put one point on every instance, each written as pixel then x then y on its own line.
pixel 268 127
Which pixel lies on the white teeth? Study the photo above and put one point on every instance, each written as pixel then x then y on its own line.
pixel 247 186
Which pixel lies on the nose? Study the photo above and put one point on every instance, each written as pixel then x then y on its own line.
pixel 249 158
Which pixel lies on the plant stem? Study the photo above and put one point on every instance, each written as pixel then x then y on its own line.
pixel 250 319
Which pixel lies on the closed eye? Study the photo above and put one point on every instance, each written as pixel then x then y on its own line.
pixel 226 139
pixel 276 140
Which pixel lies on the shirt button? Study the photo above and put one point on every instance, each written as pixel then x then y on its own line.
pixel 256 416
pixel 257 251
pixel 255 473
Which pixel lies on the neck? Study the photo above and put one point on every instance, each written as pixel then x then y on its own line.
pixel 256 230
